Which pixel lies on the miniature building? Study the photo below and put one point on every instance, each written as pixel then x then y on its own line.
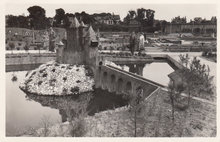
pixel 81 44
pixel 176 78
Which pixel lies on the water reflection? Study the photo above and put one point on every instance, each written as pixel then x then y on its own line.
pixel 155 71
pixel 89 103
pixel 26 110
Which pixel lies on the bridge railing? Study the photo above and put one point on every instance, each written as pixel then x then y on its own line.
pixel 137 76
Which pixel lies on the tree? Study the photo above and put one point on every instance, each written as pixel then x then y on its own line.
pixel 163 25
pixel 196 77
pixel 59 17
pixel 76 116
pixel 85 17
pixel 12 46
pixel 37 17
pixel 145 17
pixel 14 77
pixel 174 92
pixel 178 20
pixel 45 123
pixel 171 92
pixel 136 104
pixel 17 21
pixel 39 46
pixel 184 60
pixel 23 21
pixel 131 15
pixel 11 21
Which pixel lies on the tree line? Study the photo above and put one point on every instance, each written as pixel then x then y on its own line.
pixel 37 19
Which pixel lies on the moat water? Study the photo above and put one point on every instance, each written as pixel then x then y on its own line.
pixel 155 71
pixel 25 111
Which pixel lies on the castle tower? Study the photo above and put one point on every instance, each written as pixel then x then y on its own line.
pixel 82 35
pixel 91 48
pixel 73 35
pixel 81 45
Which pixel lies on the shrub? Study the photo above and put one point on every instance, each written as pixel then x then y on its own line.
pixel 204 53
pixel 39 82
pixel 64 79
pixel 78 129
pixel 77 69
pixel 144 54
pixel 78 81
pixel 14 78
pixel 52 82
pixel 28 81
pixel 41 71
pixel 64 91
pixel 45 75
pixel 89 73
pixel 75 89
pixel 27 73
pixel 18 48
pixel 33 73
pixel 53 70
pixel 120 53
pixel 56 64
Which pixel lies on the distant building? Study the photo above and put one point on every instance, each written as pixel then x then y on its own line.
pixel 107 19
pixel 134 25
pixel 22 37
pixel 198 26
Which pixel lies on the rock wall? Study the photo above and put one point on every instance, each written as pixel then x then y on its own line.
pixel 31 58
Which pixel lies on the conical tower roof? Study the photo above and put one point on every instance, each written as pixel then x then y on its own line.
pixel 91 33
pixel 60 43
pixel 74 23
pixel 82 24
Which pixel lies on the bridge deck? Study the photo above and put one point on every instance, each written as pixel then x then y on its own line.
pixel 138 76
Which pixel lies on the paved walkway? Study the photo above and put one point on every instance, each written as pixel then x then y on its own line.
pixel 29 51
pixel 212 65
pixel 195 98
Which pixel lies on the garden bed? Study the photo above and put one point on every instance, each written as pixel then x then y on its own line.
pixel 58 79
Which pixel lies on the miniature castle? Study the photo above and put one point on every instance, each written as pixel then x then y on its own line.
pixel 80 45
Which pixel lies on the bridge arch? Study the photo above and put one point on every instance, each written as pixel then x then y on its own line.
pixel 104 80
pixel 128 87
pixel 120 85
pixel 112 83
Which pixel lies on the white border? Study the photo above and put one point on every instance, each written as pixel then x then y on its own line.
pixel 2 73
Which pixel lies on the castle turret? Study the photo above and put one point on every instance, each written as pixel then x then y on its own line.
pixel 73 35
pixel 82 34
pixel 81 45
pixel 91 35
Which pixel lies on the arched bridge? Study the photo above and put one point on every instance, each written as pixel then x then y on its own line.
pixel 122 82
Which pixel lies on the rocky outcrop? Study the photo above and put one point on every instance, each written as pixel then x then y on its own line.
pixel 58 79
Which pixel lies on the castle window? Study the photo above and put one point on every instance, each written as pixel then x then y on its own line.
pixel 94 43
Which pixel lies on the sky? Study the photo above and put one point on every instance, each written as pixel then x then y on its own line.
pixel 162 11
